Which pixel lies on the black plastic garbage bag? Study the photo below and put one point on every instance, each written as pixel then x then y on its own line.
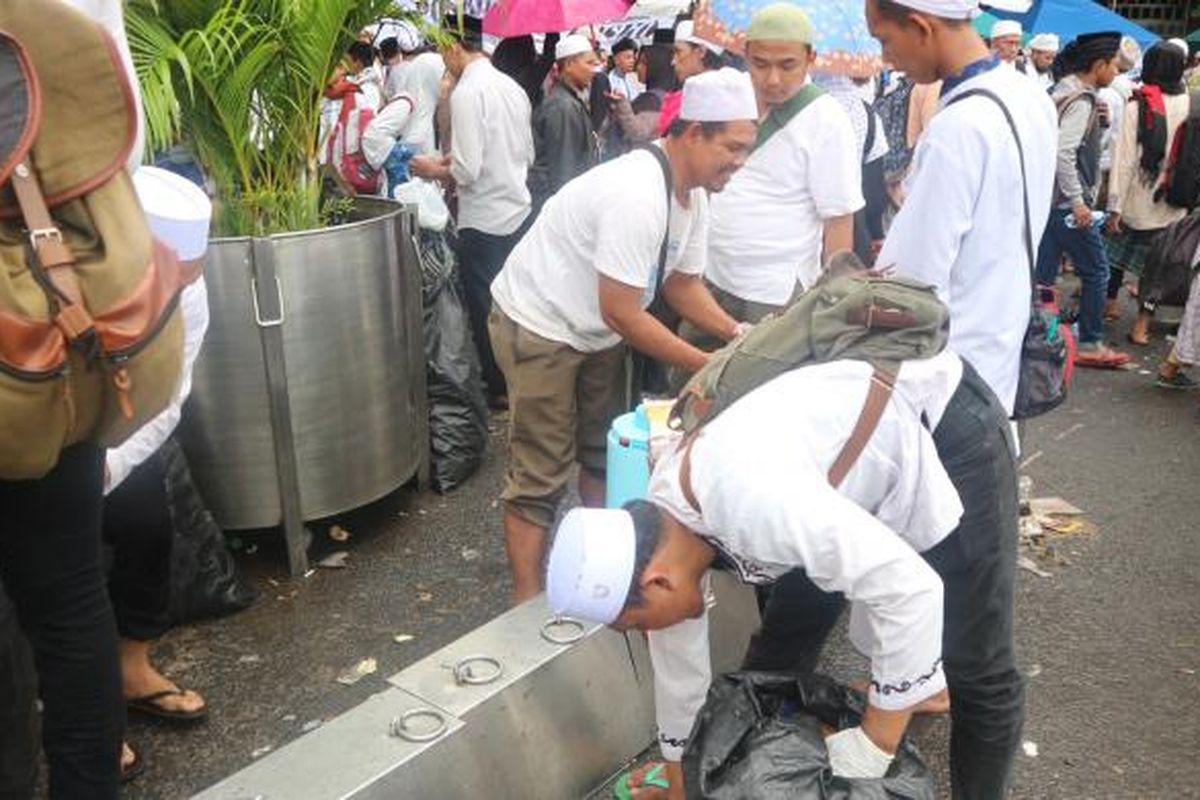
pixel 759 736
pixel 204 579
pixel 458 416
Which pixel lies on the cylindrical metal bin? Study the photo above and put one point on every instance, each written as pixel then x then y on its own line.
pixel 345 304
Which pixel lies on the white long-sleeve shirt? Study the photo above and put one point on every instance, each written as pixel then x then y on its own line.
pixel 962 228
pixel 758 472
pixel 121 460
pixel 491 149
pixel 420 77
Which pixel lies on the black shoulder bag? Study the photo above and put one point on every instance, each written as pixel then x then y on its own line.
pixel 1042 385
pixel 650 376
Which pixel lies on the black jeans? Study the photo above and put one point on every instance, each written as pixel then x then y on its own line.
pixel 51 566
pixel 977 565
pixel 480 258
pixel 18 709
pixel 137 524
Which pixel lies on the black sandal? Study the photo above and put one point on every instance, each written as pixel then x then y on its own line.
pixel 149 705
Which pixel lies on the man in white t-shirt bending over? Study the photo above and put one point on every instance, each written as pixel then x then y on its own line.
pixel 575 290
pixel 796 198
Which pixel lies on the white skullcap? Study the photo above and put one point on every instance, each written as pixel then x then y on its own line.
pixel 591 564
pixel 721 95
pixel 408 38
pixel 1181 44
pixel 1006 27
pixel 571 45
pixel 178 210
pixel 1046 42
pixel 685 31
pixel 946 9
pixel 489 43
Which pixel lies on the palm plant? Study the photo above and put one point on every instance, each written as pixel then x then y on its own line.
pixel 240 82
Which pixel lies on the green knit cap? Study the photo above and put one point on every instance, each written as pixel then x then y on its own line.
pixel 780 22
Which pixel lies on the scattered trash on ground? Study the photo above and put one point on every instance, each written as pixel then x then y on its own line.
pixel 470 554
pixel 362 669
pixel 339 534
pixel 1030 748
pixel 424 597
pixel 401 638
pixel 262 751
pixel 249 658
pixel 1029 565
pixel 334 560
pixel 1033 671
pixel 312 571
pixel 251 549
pixel 290 717
pixel 1077 426
pixel 311 725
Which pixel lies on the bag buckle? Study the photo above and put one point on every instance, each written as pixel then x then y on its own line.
pixel 44 234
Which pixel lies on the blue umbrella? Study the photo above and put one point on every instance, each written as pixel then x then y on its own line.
pixel 844 46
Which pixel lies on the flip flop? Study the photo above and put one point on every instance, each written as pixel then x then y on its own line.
pixel 133 768
pixel 1110 359
pixel 149 705
pixel 654 777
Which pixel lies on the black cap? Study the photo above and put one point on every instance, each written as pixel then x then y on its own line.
pixel 1088 48
pixel 470 30
pixel 664 36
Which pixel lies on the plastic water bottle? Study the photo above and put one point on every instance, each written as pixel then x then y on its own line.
pixel 1098 218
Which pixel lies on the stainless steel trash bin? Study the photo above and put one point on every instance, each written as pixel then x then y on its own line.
pixel 308 398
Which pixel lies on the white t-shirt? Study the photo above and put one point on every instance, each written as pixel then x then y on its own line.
pixel 609 221
pixel 767 225
pixel 758 473
pixel 961 228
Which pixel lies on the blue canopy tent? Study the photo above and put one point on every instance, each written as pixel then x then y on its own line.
pixel 1069 18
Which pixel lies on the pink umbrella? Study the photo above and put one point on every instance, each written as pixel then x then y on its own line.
pixel 519 17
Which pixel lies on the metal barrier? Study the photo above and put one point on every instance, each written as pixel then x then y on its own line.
pixel 523 707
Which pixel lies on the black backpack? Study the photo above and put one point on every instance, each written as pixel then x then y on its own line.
pixel 1183 178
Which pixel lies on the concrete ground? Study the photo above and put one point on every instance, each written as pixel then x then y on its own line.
pixel 1109 641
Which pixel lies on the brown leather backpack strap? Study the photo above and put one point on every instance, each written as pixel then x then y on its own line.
pixel 53 255
pixel 878 395
pixel 685 473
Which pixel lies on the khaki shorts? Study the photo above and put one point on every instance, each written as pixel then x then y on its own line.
pixel 561 403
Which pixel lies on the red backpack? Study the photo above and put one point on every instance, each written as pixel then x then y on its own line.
pixel 343 148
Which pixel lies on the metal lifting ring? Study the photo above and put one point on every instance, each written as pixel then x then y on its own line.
pixel 399 725
pixel 570 638
pixel 465 676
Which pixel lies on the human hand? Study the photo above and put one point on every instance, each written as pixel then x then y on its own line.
pixel 1113 226
pixel 852 754
pixel 430 167
pixel 1083 216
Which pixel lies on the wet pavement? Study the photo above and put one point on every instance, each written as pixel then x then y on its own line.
pixel 1110 641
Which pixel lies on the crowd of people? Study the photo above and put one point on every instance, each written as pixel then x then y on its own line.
pixel 619 212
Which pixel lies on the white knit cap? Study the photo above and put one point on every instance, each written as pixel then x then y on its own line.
pixel 571 45
pixel 178 210
pixel 1180 44
pixel 591 564
pixel 685 31
pixel 946 9
pixel 1046 42
pixel 1006 27
pixel 721 95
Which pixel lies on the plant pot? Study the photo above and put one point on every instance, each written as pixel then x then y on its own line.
pixel 308 398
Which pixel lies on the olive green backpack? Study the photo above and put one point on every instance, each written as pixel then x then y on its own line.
pixel 91 339
pixel 880 320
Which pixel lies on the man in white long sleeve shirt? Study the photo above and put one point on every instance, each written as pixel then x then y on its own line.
pixel 752 493
pixel 961 228
pixel 491 150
